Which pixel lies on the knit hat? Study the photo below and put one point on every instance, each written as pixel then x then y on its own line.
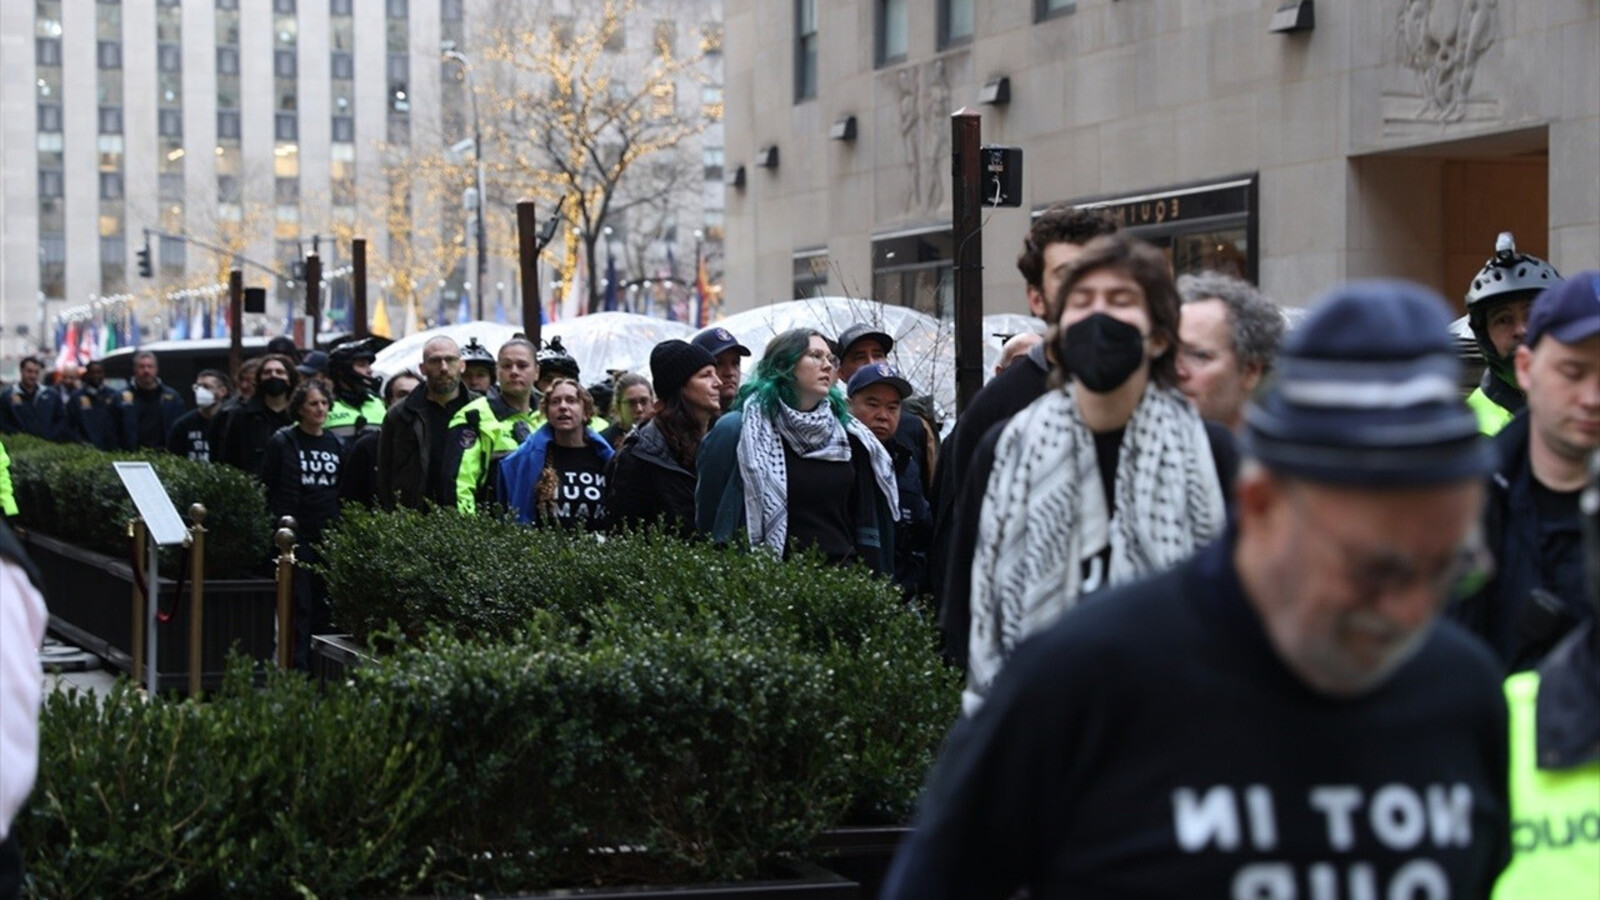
pixel 673 363
pixel 1568 312
pixel 1366 393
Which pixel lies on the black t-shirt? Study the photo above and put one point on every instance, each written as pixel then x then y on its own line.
pixel 581 486
pixel 1152 743
pixel 821 505
pixel 190 437
pixel 301 472
pixel 147 418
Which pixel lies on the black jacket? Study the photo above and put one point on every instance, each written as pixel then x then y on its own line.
pixel 914 531
pixel 1529 553
pixel 247 433
pixel 165 404
pixel 41 415
pixel 403 449
pixel 647 483
pixel 92 417
pixel 301 473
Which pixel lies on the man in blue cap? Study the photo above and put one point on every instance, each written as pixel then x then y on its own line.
pixel 729 354
pixel 876 391
pixel 1283 715
pixel 1531 521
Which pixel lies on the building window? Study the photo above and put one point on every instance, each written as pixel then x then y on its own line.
pixel 227 60
pixel 49 184
pixel 227 4
pixel 805 49
pixel 283 64
pixel 713 159
pixel 170 123
pixel 110 185
pixel 955 22
pixel 287 191
pixel 344 129
pixel 810 274
pixel 171 187
pixel 914 270
pixel 341 7
pixel 891 31
pixel 228 124
pixel 283 7
pixel 663 99
pixel 286 127
pixel 397 9
pixel 711 38
pixel 169 57
pixel 50 117
pixel 451 10
pixel 344 66
pixel 666 38
pixel 109 54
pixel 711 102
pixel 47 51
pixel 1048 9
pixel 110 120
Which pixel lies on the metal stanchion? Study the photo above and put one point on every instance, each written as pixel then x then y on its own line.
pixel 139 535
pixel 197 597
pixel 285 539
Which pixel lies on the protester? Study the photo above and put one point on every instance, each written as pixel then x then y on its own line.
pixel 861 345
pixel 23 617
pixel 1228 334
pixel 413 446
pixel 313 366
pixel 555 362
pixel 356 407
pixel 1498 301
pixel 1531 521
pixel 557 477
pixel 652 476
pixel 635 399
pixel 1106 478
pixel 729 353
pixel 358 473
pixel 876 393
pixel 1280 716
pixel 1056 238
pixel 300 469
pixel 244 388
pixel 791 468
pixel 496 424
pixel 190 437
pixel 252 425
pixel 28 407
pixel 68 379
pixel 1016 349
pixel 92 411
pixel 148 408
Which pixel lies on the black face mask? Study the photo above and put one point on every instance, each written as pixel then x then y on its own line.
pixel 1102 352
pixel 274 387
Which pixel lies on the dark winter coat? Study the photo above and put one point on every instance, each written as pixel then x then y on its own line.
pixel 403 450
pixel 92 417
pixel 647 484
pixel 247 433
pixel 162 402
pixel 41 415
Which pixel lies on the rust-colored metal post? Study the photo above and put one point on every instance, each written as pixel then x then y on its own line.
pixel 235 323
pixel 286 562
pixel 313 298
pixel 197 597
pixel 358 274
pixel 966 195
pixel 528 254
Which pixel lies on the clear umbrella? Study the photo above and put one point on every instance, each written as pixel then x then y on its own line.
pixel 599 342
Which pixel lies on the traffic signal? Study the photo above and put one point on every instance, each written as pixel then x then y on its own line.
pixel 144 263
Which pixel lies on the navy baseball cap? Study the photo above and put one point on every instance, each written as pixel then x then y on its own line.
pixel 315 363
pixel 878 373
pixel 1568 312
pixel 717 341
pixel 1365 393
pixel 860 331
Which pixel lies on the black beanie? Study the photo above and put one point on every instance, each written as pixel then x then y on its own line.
pixel 673 363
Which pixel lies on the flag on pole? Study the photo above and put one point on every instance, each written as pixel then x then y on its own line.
pixel 135 338
pixel 702 291
pixel 109 332
pixel 197 319
pixel 220 327
pixel 499 308
pixel 67 352
pixel 611 282
pixel 463 310
pixel 180 322
pixel 88 341
pixel 380 319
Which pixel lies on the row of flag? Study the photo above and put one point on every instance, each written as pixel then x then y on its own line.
pixel 571 299
pixel 82 341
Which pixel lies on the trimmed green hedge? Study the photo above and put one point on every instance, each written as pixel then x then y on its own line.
pixel 651 757
pixel 71 491
pixel 484 580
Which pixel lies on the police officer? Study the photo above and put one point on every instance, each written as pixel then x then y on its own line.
pixel 356 406
pixel 497 423
pixel 1497 310
pixel 478 375
pixel 28 407
pixel 92 411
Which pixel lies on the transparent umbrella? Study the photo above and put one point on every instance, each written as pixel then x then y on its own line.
pixel 599 342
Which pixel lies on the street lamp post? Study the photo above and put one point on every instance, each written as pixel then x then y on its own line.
pixel 454 55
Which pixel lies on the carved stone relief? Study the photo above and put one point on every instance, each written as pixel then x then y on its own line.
pixel 1441 42
pixel 922 96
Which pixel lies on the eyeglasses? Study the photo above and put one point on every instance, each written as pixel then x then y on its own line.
pixel 824 357
pixel 1379 572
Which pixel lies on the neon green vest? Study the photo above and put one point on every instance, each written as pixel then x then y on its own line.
pixel 342 417
pixel 1491 416
pixel 496 438
pixel 1555 814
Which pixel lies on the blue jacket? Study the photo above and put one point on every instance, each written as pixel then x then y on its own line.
pixel 169 406
pixel 719 495
pixel 520 470
pixel 94 418
pixel 41 416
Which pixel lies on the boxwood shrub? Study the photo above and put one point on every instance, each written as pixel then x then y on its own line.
pixel 483 580
pixel 72 492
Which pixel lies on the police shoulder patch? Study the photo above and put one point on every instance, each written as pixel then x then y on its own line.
pixel 468 438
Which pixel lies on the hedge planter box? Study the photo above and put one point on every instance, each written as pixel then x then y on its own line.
pixel 861 854
pixel 334 655
pixel 793 880
pixel 91 604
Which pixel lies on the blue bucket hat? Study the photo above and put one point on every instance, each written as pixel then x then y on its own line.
pixel 1366 393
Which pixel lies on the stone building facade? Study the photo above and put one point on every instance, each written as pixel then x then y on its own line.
pixel 1388 138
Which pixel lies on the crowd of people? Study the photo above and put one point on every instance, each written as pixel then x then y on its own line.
pixel 1237 605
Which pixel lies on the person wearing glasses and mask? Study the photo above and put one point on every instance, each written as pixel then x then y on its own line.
pixel 789 467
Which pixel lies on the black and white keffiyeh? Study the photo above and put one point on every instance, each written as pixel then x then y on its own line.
pixel 1044 498
pixel 817 434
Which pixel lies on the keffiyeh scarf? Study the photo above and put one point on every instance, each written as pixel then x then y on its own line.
pixel 817 434
pixel 1044 497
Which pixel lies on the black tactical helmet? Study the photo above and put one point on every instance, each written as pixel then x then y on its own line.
pixel 1508 276
pixel 555 360
pixel 475 353
pixel 343 358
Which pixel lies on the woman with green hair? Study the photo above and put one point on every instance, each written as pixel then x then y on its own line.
pixel 790 467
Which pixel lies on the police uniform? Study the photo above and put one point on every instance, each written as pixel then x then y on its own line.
pixel 494 430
